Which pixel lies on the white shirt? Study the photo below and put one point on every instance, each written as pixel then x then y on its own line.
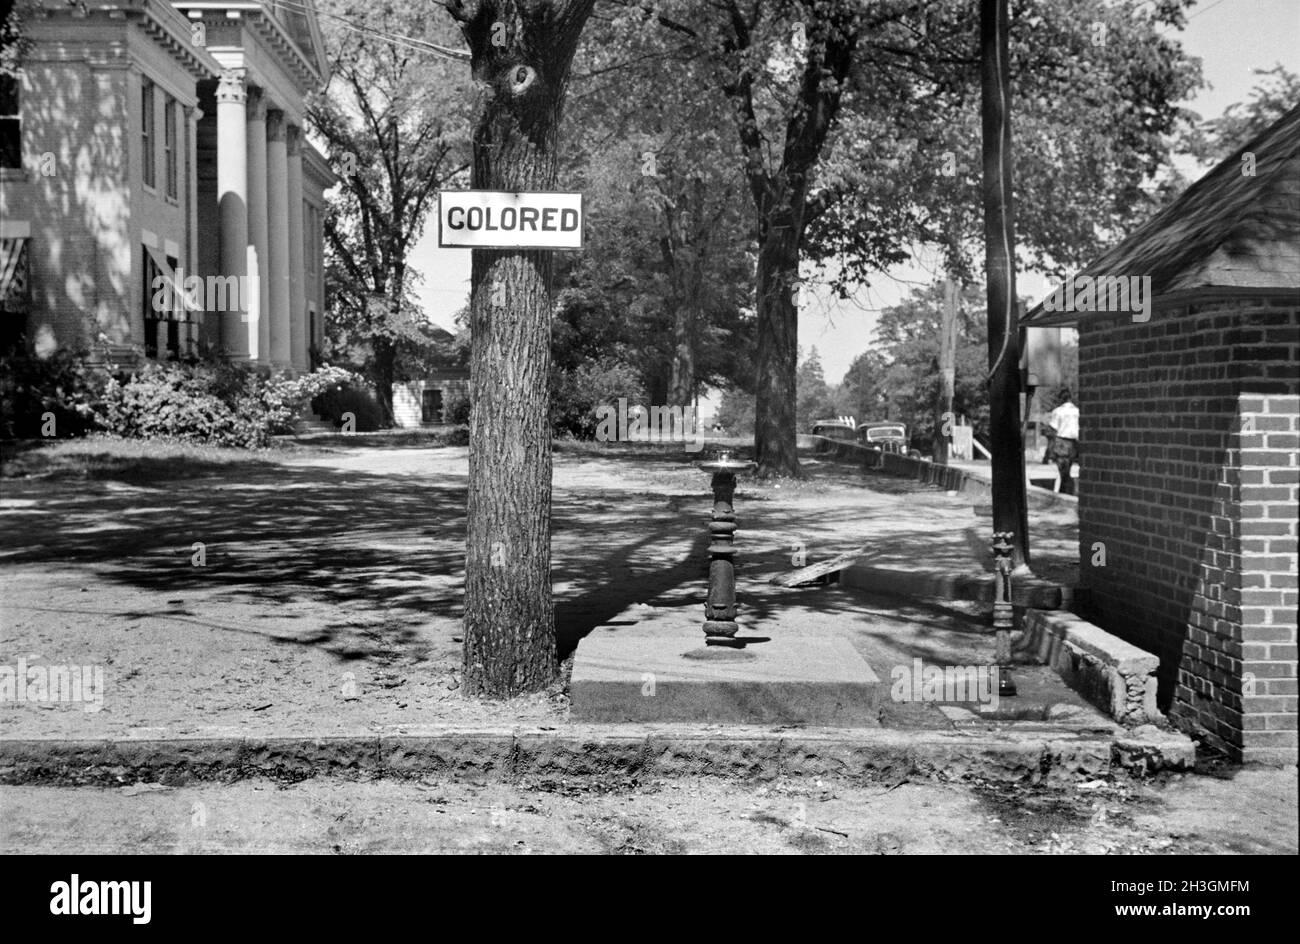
pixel 1065 420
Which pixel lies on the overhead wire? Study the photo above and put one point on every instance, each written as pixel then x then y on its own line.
pixel 397 39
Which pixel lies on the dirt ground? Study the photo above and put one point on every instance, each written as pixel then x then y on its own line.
pixel 1252 813
pixel 326 599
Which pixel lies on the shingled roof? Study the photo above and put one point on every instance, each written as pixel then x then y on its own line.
pixel 1227 230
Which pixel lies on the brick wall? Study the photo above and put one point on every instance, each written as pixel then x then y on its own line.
pixel 1188 505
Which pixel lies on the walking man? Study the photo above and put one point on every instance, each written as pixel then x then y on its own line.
pixel 1064 425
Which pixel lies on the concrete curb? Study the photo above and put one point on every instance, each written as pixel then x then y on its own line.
pixel 1033 752
pixel 948 477
pixel 1115 675
pixel 954 585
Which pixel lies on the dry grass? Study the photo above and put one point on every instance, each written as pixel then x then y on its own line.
pixel 98 458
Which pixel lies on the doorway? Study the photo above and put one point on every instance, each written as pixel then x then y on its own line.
pixel 431 407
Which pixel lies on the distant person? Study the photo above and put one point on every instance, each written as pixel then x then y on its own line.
pixel 1063 425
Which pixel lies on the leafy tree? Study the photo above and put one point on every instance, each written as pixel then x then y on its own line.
pixel 815 401
pixel 898 379
pixel 736 412
pixel 395 120
pixel 1277 93
pixel 855 125
pixel 521 53
pixel 667 256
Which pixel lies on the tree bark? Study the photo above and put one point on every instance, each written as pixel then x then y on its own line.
pixel 509 614
pixel 775 442
pixel 1009 502
pixel 383 371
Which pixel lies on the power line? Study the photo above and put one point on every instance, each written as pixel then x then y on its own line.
pixel 397 39
pixel 1205 10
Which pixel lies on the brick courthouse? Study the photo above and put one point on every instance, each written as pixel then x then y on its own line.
pixel 1189 431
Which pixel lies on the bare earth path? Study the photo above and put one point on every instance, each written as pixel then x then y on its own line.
pixel 327 602
pixel 1254 813
pixel 327 597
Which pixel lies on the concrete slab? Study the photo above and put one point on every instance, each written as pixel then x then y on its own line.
pixel 659 670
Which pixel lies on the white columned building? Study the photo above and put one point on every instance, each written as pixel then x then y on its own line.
pixel 258 237
pixel 232 204
pixel 183 154
pixel 276 49
pixel 277 160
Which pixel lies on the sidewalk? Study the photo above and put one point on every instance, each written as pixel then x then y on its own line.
pixel 328 606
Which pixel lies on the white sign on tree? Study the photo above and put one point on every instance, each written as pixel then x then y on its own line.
pixel 500 219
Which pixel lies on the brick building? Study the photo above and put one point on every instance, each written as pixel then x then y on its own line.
pixel 147 140
pixel 1190 428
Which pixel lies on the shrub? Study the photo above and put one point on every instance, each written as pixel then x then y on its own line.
pixel 457 410
pixel 198 404
pixel 354 398
pixel 218 403
pixel 60 384
pixel 575 395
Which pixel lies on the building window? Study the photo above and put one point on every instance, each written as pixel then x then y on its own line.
pixel 11 141
pixel 169 145
pixel 147 135
pixel 171 330
pixel 156 301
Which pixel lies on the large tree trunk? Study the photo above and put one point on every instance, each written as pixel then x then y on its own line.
pixel 509 614
pixel 1009 503
pixel 775 444
pixel 681 381
pixel 383 370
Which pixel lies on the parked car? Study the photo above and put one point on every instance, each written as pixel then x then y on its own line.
pixel 835 429
pixel 888 437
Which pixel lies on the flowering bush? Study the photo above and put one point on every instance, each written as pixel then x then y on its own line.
pixel 220 404
pixel 32 387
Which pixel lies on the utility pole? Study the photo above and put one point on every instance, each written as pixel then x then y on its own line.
pixel 947 372
pixel 1009 502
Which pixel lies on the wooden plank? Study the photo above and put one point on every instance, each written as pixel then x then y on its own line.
pixel 802 576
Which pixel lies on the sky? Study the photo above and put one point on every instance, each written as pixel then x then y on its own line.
pixel 1231 37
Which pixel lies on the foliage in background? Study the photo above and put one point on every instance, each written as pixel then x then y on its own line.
pixel 898 379
pixel 666 279
pixel 456 412
pixel 1277 93
pixel 220 404
pixel 61 384
pixel 576 393
pixel 356 398
pixel 396 125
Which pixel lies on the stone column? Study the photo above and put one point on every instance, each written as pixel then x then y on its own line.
pixel 193 114
pixel 232 201
pixel 297 257
pixel 277 182
pixel 190 194
pixel 258 236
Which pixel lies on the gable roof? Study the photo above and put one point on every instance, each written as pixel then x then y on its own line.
pixel 1227 230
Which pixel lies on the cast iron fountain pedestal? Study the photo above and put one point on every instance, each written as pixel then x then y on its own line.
pixel 720 606
pixel 1003 610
